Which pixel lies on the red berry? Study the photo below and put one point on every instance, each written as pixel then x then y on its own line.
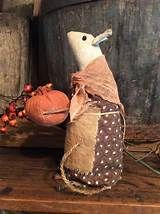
pixel 27 88
pixel 4 118
pixel 12 107
pixel 3 129
pixel 24 113
pixel 13 122
pixel 12 115
pixel 20 114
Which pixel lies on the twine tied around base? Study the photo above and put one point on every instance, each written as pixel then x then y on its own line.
pixel 86 191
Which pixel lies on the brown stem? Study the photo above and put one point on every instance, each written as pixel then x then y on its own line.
pixel 56 111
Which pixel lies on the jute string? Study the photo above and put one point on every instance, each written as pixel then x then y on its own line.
pixel 74 188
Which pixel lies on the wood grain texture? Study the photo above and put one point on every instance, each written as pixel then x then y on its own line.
pixel 133 57
pixel 143 132
pixel 48 6
pixel 13 55
pixel 27 184
pixel 28 134
pixel 19 7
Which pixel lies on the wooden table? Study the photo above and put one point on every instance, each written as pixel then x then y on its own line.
pixel 27 185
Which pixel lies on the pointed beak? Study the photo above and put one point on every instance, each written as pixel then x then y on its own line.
pixel 102 37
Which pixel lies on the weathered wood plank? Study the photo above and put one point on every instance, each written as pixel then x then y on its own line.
pixel 27 176
pixel 19 7
pixel 28 134
pixel 49 5
pixel 14 52
pixel 133 57
pixel 143 132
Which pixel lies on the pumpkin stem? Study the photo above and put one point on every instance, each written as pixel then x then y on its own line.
pixel 42 90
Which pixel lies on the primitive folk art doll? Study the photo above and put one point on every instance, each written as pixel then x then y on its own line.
pixel 93 156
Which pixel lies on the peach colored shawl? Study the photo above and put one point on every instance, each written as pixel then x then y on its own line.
pixel 95 79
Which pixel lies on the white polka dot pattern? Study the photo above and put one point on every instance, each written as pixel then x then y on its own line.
pixel 108 151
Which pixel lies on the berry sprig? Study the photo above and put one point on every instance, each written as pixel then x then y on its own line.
pixel 15 109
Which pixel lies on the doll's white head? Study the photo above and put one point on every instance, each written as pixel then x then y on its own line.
pixel 86 47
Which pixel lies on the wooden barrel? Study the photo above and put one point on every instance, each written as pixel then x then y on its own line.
pixel 133 52
pixel 13 56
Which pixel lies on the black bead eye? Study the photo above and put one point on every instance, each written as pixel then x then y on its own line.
pixel 84 38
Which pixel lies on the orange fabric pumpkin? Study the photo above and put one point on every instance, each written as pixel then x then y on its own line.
pixel 47 107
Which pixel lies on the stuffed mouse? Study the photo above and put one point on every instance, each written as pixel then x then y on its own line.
pixel 93 158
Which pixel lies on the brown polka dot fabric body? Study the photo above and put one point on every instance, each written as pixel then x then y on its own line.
pixel 108 151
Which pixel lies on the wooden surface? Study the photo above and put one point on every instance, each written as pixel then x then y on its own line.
pixel 28 134
pixel 14 68
pixel 143 132
pixel 132 53
pixel 19 7
pixel 48 6
pixel 27 184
